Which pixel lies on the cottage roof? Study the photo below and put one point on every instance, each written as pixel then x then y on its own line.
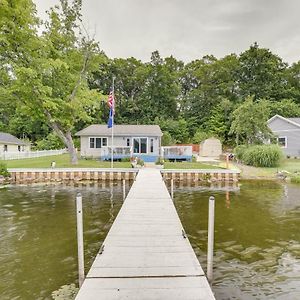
pixel 10 139
pixel 121 130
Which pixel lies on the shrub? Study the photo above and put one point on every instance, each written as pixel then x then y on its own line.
pixel 140 162
pixel 159 161
pixel 3 170
pixel 262 155
pixel 126 159
pixel 239 151
pixel 295 179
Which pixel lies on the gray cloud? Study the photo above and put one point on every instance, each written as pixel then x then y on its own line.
pixel 189 29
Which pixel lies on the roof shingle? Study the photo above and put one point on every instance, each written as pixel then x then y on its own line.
pixel 121 130
pixel 10 139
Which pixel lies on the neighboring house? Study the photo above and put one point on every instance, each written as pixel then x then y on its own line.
pixel 9 143
pixel 287 132
pixel 142 141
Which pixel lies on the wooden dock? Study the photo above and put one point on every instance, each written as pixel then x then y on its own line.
pixel 146 254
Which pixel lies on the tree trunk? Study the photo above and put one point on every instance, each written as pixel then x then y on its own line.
pixel 71 148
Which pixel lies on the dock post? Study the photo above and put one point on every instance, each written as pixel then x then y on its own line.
pixel 172 189
pixel 80 239
pixel 210 242
pixel 124 189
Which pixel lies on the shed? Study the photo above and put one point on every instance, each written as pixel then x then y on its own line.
pixel 211 147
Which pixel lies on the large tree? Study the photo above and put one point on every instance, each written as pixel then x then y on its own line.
pixel 262 74
pixel 52 83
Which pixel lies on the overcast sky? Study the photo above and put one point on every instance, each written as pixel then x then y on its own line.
pixel 189 29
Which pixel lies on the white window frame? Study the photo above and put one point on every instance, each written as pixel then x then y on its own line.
pixel 101 143
pixel 286 141
pixel 151 140
pixel 140 137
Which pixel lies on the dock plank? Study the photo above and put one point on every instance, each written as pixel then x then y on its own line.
pixel 145 254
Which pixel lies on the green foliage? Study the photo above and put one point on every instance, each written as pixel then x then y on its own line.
pixel 200 136
pixel 140 162
pixel 261 74
pixel 51 142
pixel 239 151
pixel 261 155
pixel 285 108
pixel 295 179
pixel 125 159
pixel 3 170
pixel 250 122
pixel 159 161
pixel 167 139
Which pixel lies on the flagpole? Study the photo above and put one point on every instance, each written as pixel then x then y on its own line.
pixel 112 128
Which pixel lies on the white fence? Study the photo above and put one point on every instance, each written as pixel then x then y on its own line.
pixel 30 154
pixel 177 151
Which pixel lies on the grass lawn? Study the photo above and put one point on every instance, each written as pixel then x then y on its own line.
pixel 62 161
pixel 289 165
pixel 190 165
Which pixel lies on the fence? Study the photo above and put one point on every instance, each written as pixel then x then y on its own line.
pixel 30 154
pixel 177 151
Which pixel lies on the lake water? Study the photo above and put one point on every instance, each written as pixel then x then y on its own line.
pixel 257 237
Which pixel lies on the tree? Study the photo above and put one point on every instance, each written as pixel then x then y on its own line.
pixel 249 123
pixel 57 73
pixel 285 108
pixel 160 92
pixel 220 120
pixel 261 74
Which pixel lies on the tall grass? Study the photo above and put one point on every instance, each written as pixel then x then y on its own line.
pixel 260 155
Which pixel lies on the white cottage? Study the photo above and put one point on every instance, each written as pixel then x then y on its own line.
pixel 142 141
pixel 9 144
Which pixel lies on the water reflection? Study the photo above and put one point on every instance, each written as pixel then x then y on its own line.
pixel 38 235
pixel 257 238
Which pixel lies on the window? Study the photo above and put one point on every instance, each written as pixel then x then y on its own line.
pixel 92 142
pixel 140 145
pixel 128 142
pixel 97 142
pixel 282 141
pixel 19 148
pixel 151 145
pixel 5 148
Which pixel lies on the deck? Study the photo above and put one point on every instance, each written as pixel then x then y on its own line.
pixel 145 254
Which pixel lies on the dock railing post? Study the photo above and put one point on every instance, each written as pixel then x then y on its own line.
pixel 79 215
pixel 172 189
pixel 210 242
pixel 124 190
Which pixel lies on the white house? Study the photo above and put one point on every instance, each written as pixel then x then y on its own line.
pixel 9 143
pixel 287 132
pixel 142 141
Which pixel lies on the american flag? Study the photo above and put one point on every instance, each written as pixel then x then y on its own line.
pixel 111 101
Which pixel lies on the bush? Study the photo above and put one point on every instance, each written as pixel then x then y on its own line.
pixel 50 142
pixel 126 159
pixel 239 151
pixel 3 170
pixel 140 162
pixel 260 155
pixel 159 161
pixel 295 179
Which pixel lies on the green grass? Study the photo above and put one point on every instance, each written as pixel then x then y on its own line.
pixel 189 165
pixel 290 165
pixel 62 161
